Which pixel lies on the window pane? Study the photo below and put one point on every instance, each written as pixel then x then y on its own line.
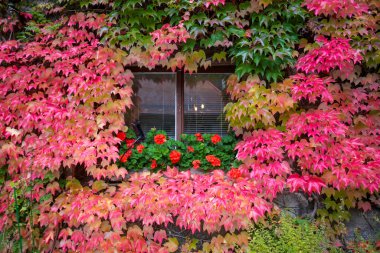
pixel 205 99
pixel 155 100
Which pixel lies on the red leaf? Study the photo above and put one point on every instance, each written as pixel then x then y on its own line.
pixel 160 235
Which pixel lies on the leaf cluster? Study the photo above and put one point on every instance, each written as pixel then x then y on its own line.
pixel 269 46
pixel 108 213
pixel 255 106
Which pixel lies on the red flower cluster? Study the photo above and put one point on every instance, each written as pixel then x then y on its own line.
pixel 153 164
pixel 190 149
pixel 175 156
pixel 234 173
pixel 140 148
pixel 129 142
pixel 159 139
pixel 124 157
pixel 213 160
pixel 199 136
pixel 196 164
pixel 121 135
pixel 215 139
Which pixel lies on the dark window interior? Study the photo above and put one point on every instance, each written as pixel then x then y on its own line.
pixel 204 100
pixel 179 102
pixel 155 101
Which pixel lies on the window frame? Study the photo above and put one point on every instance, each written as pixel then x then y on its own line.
pixel 180 88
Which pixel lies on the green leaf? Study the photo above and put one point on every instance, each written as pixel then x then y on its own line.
pixel 243 69
pixel 45 197
pixel 195 31
pixel 73 185
pixel 244 54
pixel 193 244
pixel 257 59
pixel 189 45
pixel 233 30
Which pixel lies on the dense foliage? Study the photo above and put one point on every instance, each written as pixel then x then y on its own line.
pixel 287 234
pixel 330 144
pixel 191 33
pixel 283 233
pixel 65 87
pixel 173 198
pixel 204 152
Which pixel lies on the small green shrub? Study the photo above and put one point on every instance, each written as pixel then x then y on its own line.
pixel 285 234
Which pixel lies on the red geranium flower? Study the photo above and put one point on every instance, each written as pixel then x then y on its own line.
pixel 140 148
pixel 129 142
pixel 190 149
pixel 196 164
pixel 175 156
pixel 124 157
pixel 215 139
pixel 199 136
pixel 234 173
pixel 153 164
pixel 121 135
pixel 213 160
pixel 160 139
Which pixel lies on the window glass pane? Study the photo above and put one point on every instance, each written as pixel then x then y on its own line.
pixel 205 99
pixel 155 101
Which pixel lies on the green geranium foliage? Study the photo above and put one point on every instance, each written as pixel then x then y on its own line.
pixel 192 151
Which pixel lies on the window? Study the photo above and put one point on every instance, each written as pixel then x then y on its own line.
pixel 179 102
pixel 155 101
pixel 204 100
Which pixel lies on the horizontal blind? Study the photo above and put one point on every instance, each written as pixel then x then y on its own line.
pixel 155 100
pixel 205 98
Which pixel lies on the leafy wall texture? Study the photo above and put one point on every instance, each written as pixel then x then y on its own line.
pixel 304 105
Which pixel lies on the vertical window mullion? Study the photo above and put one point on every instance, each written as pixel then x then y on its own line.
pixel 179 125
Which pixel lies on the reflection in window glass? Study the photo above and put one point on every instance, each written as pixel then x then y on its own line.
pixel 205 99
pixel 155 101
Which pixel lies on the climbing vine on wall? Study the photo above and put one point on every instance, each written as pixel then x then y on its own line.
pixel 305 99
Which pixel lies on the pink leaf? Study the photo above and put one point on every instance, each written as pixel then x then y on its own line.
pixel 160 235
